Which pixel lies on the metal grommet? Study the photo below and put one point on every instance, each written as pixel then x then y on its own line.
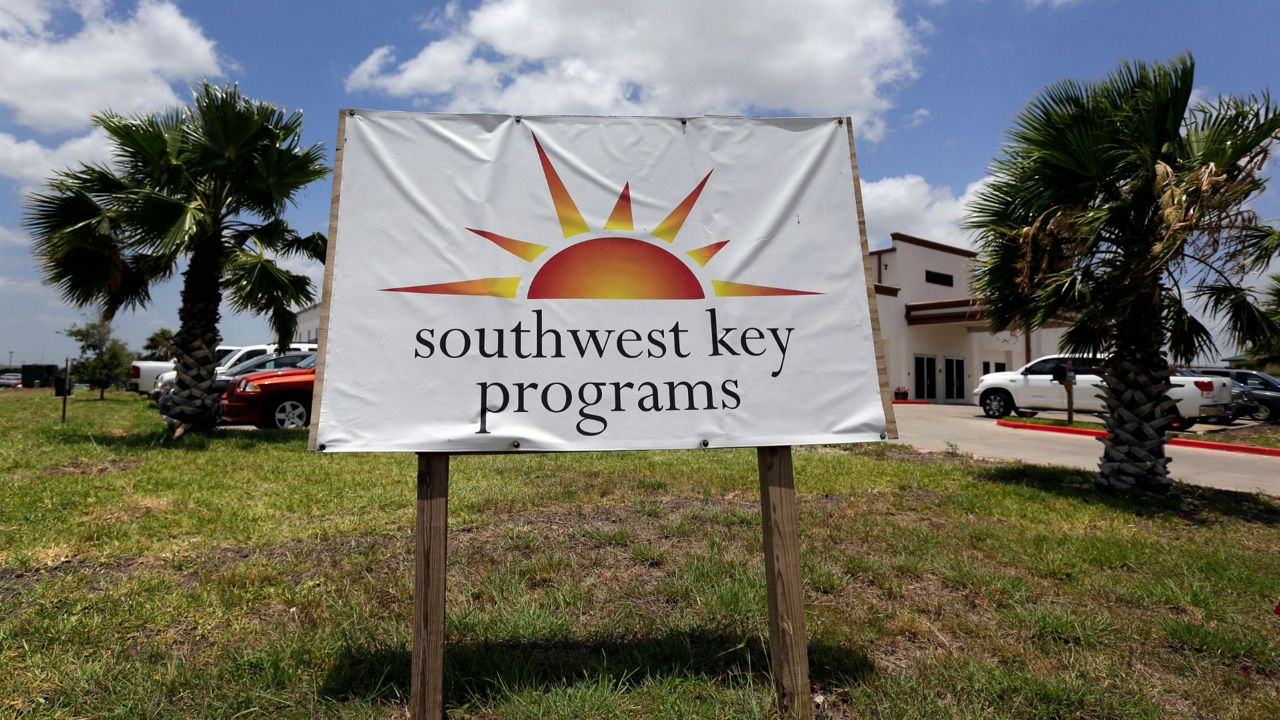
pixel 351 113
pixel 515 444
pixel 884 436
pixel 839 121
pixel 684 121
pixel 706 443
pixel 320 447
pixel 519 119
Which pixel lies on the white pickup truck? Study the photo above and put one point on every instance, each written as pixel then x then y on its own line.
pixel 143 373
pixel 1198 397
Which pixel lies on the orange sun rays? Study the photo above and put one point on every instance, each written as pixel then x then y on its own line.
pixel 604 268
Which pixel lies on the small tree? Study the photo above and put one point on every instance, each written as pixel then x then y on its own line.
pixel 203 188
pixel 104 360
pixel 159 345
pixel 1111 203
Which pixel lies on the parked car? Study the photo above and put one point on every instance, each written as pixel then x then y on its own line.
pixel 143 374
pixel 271 399
pixel 11 379
pixel 241 354
pixel 259 364
pixel 1263 388
pixel 1197 397
pixel 1242 400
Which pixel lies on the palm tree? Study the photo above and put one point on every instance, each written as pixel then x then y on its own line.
pixel 1113 206
pixel 1269 350
pixel 206 185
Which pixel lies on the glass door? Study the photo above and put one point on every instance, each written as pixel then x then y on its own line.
pixel 953 378
pixel 926 371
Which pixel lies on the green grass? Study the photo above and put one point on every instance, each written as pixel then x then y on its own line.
pixel 242 576
pixel 1263 435
pixel 1088 425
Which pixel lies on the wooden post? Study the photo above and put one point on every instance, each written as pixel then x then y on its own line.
pixel 66 389
pixel 788 647
pixel 426 698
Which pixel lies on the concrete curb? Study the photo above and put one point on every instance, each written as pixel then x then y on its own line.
pixel 912 402
pixel 1177 441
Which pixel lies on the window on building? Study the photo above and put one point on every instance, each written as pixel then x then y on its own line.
pixel 986 367
pixel 938 278
pixel 1001 367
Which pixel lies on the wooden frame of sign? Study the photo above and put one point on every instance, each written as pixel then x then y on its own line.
pixel 788 645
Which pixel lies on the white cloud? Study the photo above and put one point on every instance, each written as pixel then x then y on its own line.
pixel 27 294
pixel 22 16
pixel 125 64
pixel 911 205
pixel 31 163
pixel 661 57
pixel 12 237
pixel 918 117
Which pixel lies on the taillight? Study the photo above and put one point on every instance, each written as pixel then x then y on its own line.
pixel 1204 385
pixel 135 371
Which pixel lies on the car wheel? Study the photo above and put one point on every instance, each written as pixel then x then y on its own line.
pixel 1264 413
pixel 288 413
pixel 996 403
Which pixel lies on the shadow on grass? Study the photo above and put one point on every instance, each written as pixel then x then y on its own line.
pixel 220 439
pixel 480 672
pixel 1192 503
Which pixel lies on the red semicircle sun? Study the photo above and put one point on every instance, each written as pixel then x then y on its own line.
pixel 615 268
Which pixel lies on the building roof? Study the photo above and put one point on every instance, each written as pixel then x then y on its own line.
pixel 931 312
pixel 898 237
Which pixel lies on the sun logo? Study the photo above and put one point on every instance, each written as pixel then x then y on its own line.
pixel 605 266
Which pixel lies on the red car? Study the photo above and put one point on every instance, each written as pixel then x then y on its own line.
pixel 271 399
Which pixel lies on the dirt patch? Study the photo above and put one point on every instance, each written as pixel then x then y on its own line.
pixel 895 451
pixel 14 581
pixel 135 508
pixel 93 467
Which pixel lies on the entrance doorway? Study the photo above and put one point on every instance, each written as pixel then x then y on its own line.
pixel 926 371
pixel 953 378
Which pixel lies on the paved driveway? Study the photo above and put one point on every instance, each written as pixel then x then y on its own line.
pixel 932 427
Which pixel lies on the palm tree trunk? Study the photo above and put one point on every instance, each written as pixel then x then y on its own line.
pixel 197 339
pixel 1135 387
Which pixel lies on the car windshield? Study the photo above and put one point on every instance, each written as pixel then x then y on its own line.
pixel 248 365
pixel 1270 380
pixel 222 354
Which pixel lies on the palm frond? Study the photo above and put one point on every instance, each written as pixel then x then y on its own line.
pixel 1245 319
pixel 257 284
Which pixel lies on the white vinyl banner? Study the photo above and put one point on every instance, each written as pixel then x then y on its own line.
pixel 505 283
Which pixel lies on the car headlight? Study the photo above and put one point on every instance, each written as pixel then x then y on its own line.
pixel 249 387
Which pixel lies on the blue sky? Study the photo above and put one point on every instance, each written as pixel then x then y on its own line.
pixel 931 83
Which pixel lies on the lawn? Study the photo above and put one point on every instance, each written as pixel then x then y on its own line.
pixel 241 576
pixel 1264 435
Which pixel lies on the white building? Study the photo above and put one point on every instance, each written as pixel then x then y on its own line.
pixel 308 329
pixel 936 342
